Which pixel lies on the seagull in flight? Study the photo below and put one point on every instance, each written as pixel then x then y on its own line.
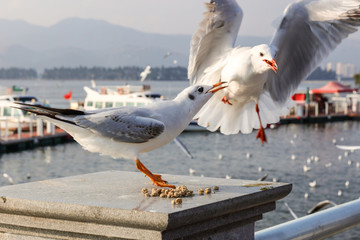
pixel 145 73
pixel 125 132
pixel 262 78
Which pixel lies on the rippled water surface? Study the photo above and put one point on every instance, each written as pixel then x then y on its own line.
pixel 216 155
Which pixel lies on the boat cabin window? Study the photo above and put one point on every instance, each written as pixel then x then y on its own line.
pixel 17 112
pixel 7 111
pixel 98 104
pixel 130 104
pixel 153 95
pixel 108 104
pixel 119 104
pixel 139 104
pixel 89 104
pixel 25 99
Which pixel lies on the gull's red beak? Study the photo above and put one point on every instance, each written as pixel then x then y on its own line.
pixel 216 87
pixel 272 64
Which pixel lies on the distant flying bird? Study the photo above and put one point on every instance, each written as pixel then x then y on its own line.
pixel 125 132
pixel 167 54
pixel 145 73
pixel 261 79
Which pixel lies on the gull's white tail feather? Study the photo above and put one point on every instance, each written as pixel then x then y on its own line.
pixel 232 119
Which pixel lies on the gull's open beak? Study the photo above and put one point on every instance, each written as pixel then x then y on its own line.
pixel 272 64
pixel 216 87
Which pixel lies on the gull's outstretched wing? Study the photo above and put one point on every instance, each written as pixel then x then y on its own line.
pixel 309 31
pixel 216 34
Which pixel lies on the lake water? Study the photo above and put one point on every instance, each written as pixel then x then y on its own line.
pixel 215 155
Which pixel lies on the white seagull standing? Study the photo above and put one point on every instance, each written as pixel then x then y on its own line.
pixel 125 132
pixel 262 78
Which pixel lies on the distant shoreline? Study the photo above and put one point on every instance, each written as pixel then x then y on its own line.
pixel 126 73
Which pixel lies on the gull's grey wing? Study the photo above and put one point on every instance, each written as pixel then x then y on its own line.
pixel 124 125
pixel 309 31
pixel 216 33
pixel 133 125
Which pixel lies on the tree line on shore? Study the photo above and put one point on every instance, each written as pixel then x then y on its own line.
pixel 96 73
pixel 119 73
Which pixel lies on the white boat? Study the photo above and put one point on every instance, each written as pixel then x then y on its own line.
pixel 125 95
pixel 10 117
pixel 118 96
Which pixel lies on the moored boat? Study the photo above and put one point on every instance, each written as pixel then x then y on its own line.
pixel 118 96
pixel 11 118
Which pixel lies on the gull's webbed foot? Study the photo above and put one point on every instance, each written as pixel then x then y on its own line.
pixel 261 134
pixel 226 100
pixel 155 178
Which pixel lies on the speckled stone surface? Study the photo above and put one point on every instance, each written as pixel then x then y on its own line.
pixel 111 205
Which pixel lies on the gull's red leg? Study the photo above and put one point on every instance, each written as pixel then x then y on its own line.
pixel 155 178
pixel 261 132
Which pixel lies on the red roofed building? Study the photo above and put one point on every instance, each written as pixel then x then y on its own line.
pixel 333 87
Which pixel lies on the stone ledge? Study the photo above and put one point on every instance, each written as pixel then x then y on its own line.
pixel 111 205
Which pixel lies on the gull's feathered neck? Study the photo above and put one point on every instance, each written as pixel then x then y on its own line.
pixel 183 95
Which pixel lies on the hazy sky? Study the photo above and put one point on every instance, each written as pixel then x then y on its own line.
pixel 159 16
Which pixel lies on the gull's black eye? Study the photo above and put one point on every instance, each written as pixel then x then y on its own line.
pixel 261 54
pixel 200 89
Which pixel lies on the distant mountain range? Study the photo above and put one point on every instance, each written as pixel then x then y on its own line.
pixel 85 42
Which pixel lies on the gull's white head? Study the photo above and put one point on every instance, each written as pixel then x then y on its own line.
pixel 197 95
pixel 262 57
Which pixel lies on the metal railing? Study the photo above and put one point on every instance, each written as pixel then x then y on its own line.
pixel 316 226
pixel 5 132
pixel 336 105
